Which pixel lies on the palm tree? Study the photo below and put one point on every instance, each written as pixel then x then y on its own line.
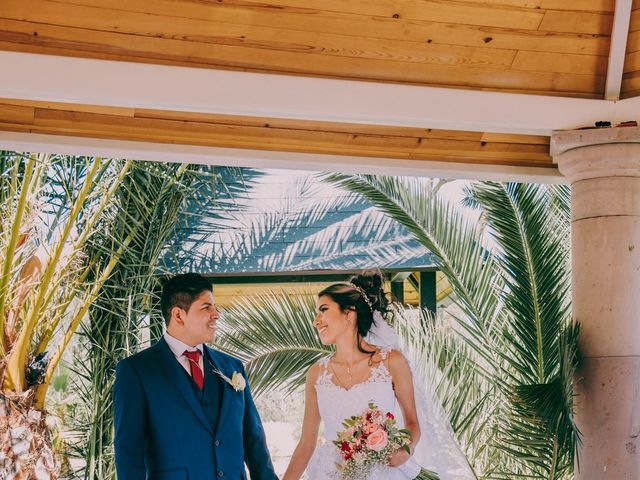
pixel 273 335
pixel 149 200
pixel 160 205
pixel 504 364
pixel 49 206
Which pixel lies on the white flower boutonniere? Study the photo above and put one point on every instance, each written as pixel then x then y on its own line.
pixel 237 381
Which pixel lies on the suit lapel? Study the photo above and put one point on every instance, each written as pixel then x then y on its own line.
pixel 226 388
pixel 173 369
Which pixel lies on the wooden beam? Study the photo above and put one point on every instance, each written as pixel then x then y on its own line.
pixel 183 89
pixel 277 134
pixel 428 291
pixel 631 75
pixel 229 294
pixel 617 50
pixel 236 157
pixel 263 142
pixel 397 291
pixel 294 277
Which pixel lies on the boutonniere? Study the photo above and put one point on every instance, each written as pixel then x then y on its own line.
pixel 237 381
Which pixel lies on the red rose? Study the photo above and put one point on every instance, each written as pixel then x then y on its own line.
pixel 390 416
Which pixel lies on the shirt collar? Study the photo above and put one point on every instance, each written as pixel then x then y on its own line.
pixel 178 347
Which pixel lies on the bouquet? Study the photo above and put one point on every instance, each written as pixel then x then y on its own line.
pixel 368 441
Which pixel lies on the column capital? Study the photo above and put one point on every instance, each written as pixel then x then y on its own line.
pixel 597 153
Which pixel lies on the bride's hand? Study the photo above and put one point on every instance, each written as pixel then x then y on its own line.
pixel 398 457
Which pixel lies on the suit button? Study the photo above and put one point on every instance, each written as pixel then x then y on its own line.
pixel 221 473
pixel 217 443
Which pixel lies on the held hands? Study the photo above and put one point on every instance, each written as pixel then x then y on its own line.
pixel 400 456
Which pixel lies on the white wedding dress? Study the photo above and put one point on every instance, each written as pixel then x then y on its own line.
pixel 438 449
pixel 337 403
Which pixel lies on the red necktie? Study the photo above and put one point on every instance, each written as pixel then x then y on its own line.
pixel 196 372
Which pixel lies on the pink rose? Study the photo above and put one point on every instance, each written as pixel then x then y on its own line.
pixel 377 440
pixel 370 428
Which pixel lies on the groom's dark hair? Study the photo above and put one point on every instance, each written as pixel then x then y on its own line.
pixel 181 291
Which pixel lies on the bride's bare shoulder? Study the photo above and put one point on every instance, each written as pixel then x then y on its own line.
pixel 396 356
pixel 398 364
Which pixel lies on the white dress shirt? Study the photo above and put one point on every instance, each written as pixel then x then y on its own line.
pixel 178 347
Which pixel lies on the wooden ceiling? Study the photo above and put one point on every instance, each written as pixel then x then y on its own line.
pixel 556 47
pixel 548 47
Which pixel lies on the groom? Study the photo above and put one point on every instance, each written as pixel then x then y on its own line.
pixel 183 410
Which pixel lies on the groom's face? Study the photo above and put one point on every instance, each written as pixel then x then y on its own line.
pixel 197 324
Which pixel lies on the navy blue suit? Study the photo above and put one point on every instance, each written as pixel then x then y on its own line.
pixel 166 428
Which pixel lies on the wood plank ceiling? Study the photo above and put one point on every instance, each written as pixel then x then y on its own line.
pixel 550 47
pixel 555 47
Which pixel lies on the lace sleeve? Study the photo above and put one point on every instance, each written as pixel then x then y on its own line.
pixel 324 377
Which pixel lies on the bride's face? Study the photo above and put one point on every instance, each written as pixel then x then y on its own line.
pixel 332 322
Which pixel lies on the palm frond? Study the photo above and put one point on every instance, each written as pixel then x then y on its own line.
pixel 102 342
pixel 48 199
pixel 531 257
pixel 307 228
pixel 273 334
pixel 455 242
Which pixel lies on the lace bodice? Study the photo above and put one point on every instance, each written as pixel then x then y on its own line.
pixel 337 403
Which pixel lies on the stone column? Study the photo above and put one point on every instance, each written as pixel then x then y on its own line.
pixel 603 167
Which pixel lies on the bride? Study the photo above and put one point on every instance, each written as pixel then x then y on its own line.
pixel 366 366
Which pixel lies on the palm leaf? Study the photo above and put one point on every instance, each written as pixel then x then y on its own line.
pixel 273 334
pixel 454 240
pixel 50 206
pixel 533 261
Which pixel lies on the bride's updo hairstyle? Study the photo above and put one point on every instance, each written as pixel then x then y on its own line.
pixel 364 294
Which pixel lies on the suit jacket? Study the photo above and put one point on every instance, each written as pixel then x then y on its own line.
pixel 163 431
